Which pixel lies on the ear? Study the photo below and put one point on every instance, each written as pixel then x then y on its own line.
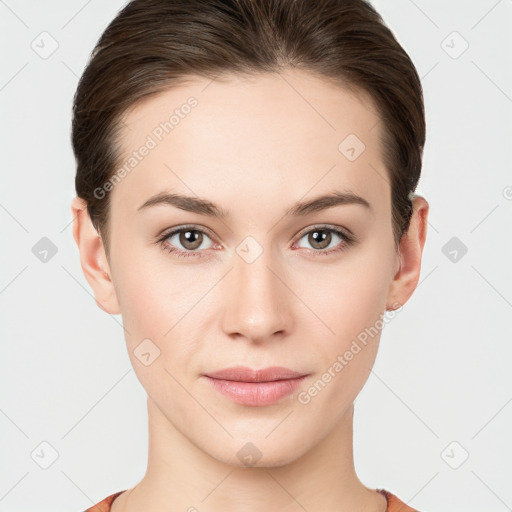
pixel 93 258
pixel 410 251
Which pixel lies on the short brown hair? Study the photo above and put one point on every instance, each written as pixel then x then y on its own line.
pixel 153 44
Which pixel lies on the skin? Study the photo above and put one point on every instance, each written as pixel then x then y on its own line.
pixel 254 146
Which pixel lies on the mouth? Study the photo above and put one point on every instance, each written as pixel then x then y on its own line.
pixel 247 386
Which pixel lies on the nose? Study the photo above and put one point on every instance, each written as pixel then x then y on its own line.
pixel 257 301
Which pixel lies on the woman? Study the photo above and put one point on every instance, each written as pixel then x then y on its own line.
pixel 245 199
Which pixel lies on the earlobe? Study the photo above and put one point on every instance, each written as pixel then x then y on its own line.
pixel 410 252
pixel 93 259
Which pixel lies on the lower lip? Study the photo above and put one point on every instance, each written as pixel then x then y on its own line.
pixel 256 393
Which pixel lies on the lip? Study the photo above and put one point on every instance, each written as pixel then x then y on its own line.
pixel 246 374
pixel 247 386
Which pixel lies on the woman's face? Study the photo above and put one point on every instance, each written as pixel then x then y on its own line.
pixel 268 283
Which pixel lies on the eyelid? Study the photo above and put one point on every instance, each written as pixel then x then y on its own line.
pixel 345 233
pixel 168 231
pixel 177 229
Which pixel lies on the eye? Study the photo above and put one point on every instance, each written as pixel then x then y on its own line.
pixel 190 238
pixel 324 240
pixel 327 240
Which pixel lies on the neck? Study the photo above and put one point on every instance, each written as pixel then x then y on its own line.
pixel 181 476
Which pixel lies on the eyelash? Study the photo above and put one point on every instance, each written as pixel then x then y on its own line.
pixel 347 240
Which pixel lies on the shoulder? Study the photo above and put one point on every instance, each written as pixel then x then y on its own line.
pixel 395 504
pixel 105 504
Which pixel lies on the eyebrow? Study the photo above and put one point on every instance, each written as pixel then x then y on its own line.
pixel 206 207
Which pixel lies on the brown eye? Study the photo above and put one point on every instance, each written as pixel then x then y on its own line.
pixel 186 241
pixel 191 239
pixel 320 238
pixel 325 240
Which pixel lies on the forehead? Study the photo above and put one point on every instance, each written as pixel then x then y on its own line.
pixel 272 135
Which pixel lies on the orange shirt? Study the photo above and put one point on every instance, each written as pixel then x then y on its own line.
pixel 394 504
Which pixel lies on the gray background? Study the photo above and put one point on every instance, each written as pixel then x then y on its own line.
pixel 440 390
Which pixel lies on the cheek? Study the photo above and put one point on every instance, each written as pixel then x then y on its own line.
pixel 350 301
pixel 147 316
pixel 352 307
pixel 161 303
pixel 348 298
pixel 155 293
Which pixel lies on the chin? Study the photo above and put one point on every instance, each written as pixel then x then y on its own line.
pixel 258 452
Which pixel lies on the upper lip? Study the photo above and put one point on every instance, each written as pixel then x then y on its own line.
pixel 245 374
